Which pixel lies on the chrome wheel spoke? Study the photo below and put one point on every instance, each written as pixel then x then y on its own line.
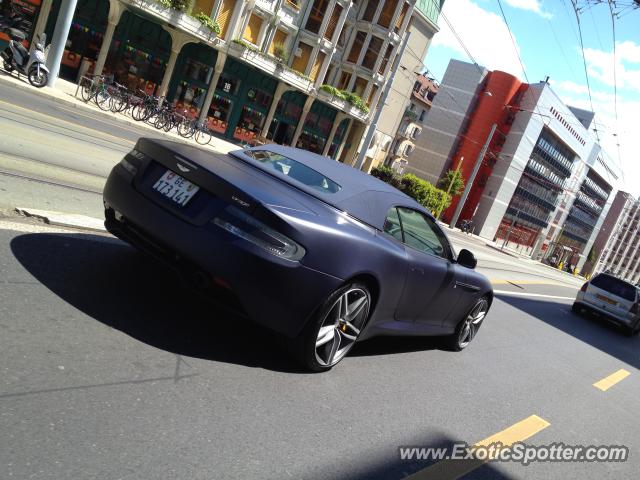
pixel 356 308
pixel 345 335
pixel 326 334
pixel 352 327
pixel 334 349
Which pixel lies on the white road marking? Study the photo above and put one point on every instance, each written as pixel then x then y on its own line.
pixel 525 294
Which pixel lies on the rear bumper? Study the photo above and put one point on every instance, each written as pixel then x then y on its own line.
pixel 274 292
pixel 628 322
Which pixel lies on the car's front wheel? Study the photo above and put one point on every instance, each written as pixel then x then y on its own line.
pixel 334 328
pixel 468 328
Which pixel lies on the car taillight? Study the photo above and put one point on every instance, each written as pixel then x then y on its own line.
pixel 584 287
pixel 251 229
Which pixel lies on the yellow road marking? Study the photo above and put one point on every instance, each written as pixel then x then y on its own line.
pixel 452 469
pixel 607 382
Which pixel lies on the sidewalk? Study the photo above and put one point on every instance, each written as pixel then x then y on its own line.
pixel 64 94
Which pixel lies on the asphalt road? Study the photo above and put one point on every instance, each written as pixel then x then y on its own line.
pixel 110 369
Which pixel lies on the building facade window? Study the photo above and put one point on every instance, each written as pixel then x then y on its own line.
pixel 333 22
pixel 317 13
pixel 317 65
pixel 356 48
pixel 385 59
pixel 345 78
pixel 301 61
pixel 370 11
pixel 401 17
pixel 386 15
pixel 252 30
pixel 359 86
pixel 224 15
pixel 372 52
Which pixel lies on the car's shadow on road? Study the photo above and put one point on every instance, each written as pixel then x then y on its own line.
pixel 122 288
pixel 590 329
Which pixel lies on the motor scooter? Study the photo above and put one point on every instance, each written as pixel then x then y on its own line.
pixel 32 64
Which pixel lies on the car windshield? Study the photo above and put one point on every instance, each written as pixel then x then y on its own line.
pixel 615 286
pixel 294 169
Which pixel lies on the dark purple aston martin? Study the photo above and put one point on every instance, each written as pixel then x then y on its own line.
pixel 316 250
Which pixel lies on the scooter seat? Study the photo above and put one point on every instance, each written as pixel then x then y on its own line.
pixel 17 35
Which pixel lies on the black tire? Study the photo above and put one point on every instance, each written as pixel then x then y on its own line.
pixel 37 77
pixel 87 91
pixel 185 128
pixel 468 327
pixel 138 112
pixel 319 357
pixel 103 99
pixel 576 308
pixel 203 136
pixel 117 103
pixel 8 67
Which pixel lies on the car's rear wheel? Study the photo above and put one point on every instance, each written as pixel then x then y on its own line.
pixel 468 328
pixel 334 328
pixel 575 308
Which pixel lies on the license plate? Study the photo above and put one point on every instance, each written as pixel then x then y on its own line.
pixel 175 188
pixel 606 299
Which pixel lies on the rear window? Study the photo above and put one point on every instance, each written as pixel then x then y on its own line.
pixel 294 169
pixel 616 286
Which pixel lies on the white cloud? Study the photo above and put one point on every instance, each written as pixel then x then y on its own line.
pixel 491 45
pixel 600 65
pixel 531 5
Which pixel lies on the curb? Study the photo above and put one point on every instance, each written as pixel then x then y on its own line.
pixel 64 219
pixel 79 104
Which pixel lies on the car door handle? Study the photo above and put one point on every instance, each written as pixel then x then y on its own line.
pixel 417 270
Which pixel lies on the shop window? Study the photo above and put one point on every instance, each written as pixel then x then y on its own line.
pixel 301 61
pixel 400 21
pixel 191 91
pixel 333 22
pixel 259 98
pixel 219 112
pixel 280 38
pixel 385 59
pixel 360 86
pixel 289 109
pixel 204 6
pixel 317 65
pixel 345 78
pixel 252 30
pixel 250 124
pixel 228 84
pixel 317 13
pixel 370 11
pixel 356 47
pixel 224 15
pixel 386 15
pixel 372 53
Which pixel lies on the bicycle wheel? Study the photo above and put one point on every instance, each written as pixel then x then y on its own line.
pixel 203 135
pixel 117 102
pixel 103 99
pixel 87 91
pixel 170 123
pixel 138 112
pixel 185 128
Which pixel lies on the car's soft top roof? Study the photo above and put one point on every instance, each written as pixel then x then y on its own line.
pixel 361 195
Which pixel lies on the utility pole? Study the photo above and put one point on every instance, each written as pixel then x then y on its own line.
pixel 455 176
pixel 469 184
pixel 59 39
pixel 383 99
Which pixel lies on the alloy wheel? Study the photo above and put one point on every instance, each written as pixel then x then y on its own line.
pixel 472 323
pixel 341 326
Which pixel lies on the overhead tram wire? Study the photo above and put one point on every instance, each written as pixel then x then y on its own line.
pixel 615 83
pixel 584 60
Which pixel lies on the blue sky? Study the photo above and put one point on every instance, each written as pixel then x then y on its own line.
pixel 546 36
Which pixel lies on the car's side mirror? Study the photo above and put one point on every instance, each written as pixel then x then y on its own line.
pixel 467 259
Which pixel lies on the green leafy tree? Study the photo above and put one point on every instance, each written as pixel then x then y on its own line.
pixel 452 182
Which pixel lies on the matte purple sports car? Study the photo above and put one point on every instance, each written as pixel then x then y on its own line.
pixel 318 251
